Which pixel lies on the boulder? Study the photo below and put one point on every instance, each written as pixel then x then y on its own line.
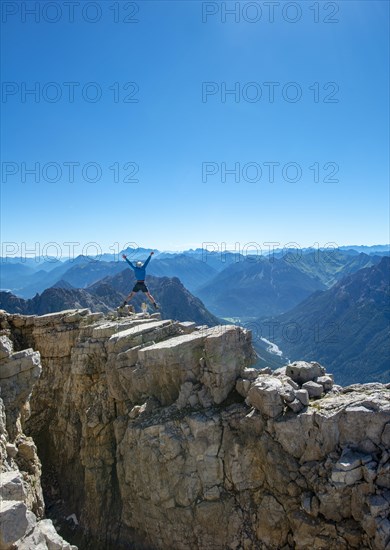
pixel 326 382
pixel 295 405
pixel 287 393
pixel 313 389
pixel 349 477
pixel 11 449
pixel 242 386
pixel 347 469
pixel 6 347
pixel 11 486
pixel 265 396
pixel 227 350
pixel 45 537
pixel 15 522
pixel 303 396
pixel 187 326
pixel 265 370
pixel 291 383
pixel 250 373
pixel 302 371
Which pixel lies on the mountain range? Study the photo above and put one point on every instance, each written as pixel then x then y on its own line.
pixel 345 328
pixel 257 286
pixel 331 266
pixel 195 268
pixel 174 300
pixel 26 281
pixel 329 305
pixel 52 299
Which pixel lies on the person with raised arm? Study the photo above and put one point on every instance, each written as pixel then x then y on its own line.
pixel 139 269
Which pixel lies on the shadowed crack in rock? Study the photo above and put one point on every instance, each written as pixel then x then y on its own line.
pixel 160 435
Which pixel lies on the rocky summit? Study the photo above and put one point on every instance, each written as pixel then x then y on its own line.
pixel 136 432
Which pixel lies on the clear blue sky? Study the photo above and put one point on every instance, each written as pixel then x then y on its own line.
pixel 171 132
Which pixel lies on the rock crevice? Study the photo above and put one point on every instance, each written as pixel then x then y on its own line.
pixel 21 501
pixel 160 435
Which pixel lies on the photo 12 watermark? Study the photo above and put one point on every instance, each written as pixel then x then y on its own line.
pixel 234 12
pixel 270 172
pixel 269 92
pixel 69 92
pixel 253 251
pixel 53 251
pixel 293 332
pixel 69 11
pixel 71 172
pixel 290 332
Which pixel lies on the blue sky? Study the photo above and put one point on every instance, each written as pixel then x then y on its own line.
pixel 177 143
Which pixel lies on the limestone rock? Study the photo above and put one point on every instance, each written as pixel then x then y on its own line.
pixel 20 489
pixel 382 533
pixel 212 357
pixel 266 370
pixel 287 393
pixel 313 389
pixel 6 347
pixel 14 521
pixel 18 374
pixel 291 382
pixel 386 436
pixel 280 371
pixel 19 362
pixel 44 537
pixel 303 396
pixel 251 374
pixel 11 486
pixel 187 326
pixel 271 527
pixel 242 386
pixel 378 505
pixel 227 350
pixel 348 477
pixel 265 396
pixel 326 382
pixel 296 405
pixel 138 334
pixel 11 449
pixel 383 475
pixel 151 446
pixel 160 369
pixel 302 371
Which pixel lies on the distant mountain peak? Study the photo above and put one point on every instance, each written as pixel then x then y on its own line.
pixel 63 284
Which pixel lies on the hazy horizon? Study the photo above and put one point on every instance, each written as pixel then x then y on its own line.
pixel 255 249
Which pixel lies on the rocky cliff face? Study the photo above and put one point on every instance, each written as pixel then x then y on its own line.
pixel 158 435
pixel 21 500
pixel 355 310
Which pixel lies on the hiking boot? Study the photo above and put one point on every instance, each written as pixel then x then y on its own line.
pixel 155 305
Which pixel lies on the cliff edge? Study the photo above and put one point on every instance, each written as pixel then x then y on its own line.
pixel 158 434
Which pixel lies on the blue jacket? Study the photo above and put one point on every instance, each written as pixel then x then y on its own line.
pixel 139 272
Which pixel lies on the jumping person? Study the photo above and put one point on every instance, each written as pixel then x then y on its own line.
pixel 140 273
